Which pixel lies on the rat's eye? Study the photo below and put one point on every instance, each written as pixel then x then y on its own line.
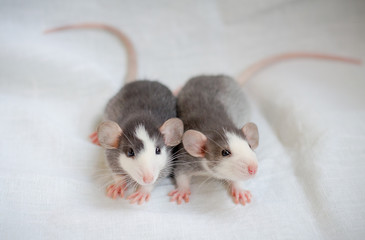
pixel 225 153
pixel 130 153
pixel 158 150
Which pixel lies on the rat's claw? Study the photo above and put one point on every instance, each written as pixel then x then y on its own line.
pixel 179 195
pixel 241 196
pixel 172 193
pixel 114 190
pixel 94 138
pixel 139 196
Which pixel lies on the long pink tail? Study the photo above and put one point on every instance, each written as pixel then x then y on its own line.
pixel 255 68
pixel 131 74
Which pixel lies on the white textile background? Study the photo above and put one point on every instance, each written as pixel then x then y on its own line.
pixel 311 115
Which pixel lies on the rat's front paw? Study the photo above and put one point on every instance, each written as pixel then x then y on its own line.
pixel 178 195
pixel 139 196
pixel 240 196
pixel 115 190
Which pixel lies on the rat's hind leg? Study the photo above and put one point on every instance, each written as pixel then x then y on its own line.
pixel 94 138
pixel 182 191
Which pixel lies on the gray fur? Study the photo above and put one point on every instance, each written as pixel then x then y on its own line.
pixel 147 103
pixel 211 105
pixel 147 97
pixel 234 101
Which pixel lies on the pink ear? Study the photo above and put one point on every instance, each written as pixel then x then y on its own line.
pixel 172 131
pixel 252 134
pixel 108 134
pixel 194 143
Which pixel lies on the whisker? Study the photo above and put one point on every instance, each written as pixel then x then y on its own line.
pixel 204 182
pixel 181 149
pixel 127 138
pixel 222 137
pixel 215 142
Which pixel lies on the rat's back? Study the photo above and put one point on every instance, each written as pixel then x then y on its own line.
pixel 147 97
pixel 213 98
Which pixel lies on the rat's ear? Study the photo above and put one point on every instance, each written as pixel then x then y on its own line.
pixel 108 134
pixel 252 134
pixel 172 131
pixel 194 143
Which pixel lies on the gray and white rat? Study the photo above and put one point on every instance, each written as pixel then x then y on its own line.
pixel 219 141
pixel 139 127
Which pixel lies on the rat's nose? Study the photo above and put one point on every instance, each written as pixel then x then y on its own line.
pixel 252 169
pixel 148 178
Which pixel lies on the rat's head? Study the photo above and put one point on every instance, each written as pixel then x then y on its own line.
pixel 225 154
pixel 142 151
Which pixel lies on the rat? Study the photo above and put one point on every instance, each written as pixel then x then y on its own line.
pixel 220 141
pixel 139 129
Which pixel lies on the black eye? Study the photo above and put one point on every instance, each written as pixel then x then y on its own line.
pixel 130 153
pixel 225 153
pixel 158 150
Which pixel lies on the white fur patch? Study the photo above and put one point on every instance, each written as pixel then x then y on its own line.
pixel 235 166
pixel 146 162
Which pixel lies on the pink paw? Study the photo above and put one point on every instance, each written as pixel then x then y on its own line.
pixel 139 196
pixel 179 195
pixel 114 190
pixel 94 138
pixel 241 196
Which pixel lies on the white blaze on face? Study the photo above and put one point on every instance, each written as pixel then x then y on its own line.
pixel 146 163
pixel 235 166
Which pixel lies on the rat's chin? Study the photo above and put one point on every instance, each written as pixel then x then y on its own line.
pixel 142 183
pixel 240 177
pixel 229 177
pixel 146 184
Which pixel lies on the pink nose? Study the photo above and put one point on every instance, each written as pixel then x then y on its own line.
pixel 147 178
pixel 252 169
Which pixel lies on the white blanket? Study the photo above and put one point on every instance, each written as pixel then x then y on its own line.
pixel 311 117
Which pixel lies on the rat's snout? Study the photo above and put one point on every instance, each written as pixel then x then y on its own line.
pixel 252 169
pixel 148 178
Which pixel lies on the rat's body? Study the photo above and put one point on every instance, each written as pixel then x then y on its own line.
pixel 139 126
pixel 218 138
pixel 140 123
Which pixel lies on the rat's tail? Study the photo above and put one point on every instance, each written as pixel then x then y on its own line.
pixel 255 68
pixel 131 74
